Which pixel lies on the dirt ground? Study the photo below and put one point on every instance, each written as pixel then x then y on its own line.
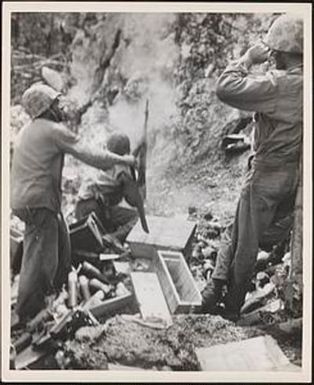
pixel 124 341
pixel 135 345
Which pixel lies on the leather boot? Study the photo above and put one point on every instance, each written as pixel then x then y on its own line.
pixel 211 295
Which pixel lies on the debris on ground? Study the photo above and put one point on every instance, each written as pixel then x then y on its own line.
pixel 292 326
pixel 235 143
pixel 95 320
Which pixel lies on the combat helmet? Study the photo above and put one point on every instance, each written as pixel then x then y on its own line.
pixel 119 143
pixel 286 34
pixel 38 98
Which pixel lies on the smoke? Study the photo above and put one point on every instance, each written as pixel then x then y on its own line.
pixel 83 66
pixel 147 60
pixel 141 69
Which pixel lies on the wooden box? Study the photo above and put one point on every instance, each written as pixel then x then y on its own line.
pixel 150 297
pixel 164 234
pixel 176 281
pixel 86 234
pixel 112 306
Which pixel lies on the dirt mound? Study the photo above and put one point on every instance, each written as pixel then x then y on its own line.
pixel 129 343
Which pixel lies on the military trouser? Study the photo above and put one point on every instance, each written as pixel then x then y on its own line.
pixel 46 258
pixel 116 220
pixel 264 217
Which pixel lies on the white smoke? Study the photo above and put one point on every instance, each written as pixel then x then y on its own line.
pixel 146 59
pixel 148 62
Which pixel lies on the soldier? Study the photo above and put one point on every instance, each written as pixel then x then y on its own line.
pixel 36 195
pixel 104 196
pixel 264 214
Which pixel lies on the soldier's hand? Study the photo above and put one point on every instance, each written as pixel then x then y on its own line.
pixel 258 53
pixel 130 160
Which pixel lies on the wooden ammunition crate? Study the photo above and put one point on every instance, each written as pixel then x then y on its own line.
pixel 164 234
pixel 176 281
pixel 86 234
pixel 113 306
pixel 150 297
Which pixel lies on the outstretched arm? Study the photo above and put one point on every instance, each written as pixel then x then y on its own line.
pixel 99 159
pixel 102 159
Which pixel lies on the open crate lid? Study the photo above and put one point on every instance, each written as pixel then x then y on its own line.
pixel 172 233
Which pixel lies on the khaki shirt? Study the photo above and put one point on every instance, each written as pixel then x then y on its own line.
pixel 107 185
pixel 37 164
pixel 277 99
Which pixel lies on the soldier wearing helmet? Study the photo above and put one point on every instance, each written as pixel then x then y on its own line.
pixel 104 196
pixel 36 195
pixel 264 214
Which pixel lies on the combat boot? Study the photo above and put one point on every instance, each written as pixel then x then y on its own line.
pixel 232 315
pixel 233 302
pixel 211 295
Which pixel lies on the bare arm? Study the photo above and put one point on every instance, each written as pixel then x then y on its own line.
pixel 69 143
pixel 100 159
